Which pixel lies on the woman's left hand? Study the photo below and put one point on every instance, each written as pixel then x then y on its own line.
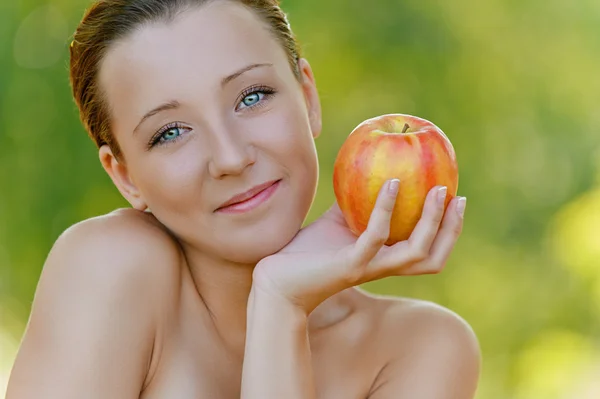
pixel 326 257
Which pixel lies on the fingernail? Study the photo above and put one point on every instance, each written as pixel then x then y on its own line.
pixel 460 206
pixel 393 187
pixel 441 195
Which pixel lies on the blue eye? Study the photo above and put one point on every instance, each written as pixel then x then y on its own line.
pixel 255 96
pixel 252 99
pixel 170 134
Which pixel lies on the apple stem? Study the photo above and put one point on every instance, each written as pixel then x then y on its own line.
pixel 406 127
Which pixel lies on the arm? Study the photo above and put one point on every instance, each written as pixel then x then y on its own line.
pixel 277 361
pixel 290 284
pixel 93 320
pixel 440 359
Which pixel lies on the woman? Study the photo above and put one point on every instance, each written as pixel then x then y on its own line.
pixel 205 114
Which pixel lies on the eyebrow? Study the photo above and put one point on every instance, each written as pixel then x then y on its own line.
pixel 174 104
pixel 163 107
pixel 234 75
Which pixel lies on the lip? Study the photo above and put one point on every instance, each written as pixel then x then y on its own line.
pixel 249 199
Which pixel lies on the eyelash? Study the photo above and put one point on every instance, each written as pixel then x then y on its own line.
pixel 267 91
pixel 156 138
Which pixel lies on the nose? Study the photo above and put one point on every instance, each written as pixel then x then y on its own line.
pixel 230 155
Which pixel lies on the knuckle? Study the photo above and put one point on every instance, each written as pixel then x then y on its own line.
pixel 457 229
pixel 419 253
pixel 377 237
pixel 436 216
pixel 435 268
pixel 388 205
pixel 355 274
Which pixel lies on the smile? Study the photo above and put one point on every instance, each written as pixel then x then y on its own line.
pixel 250 200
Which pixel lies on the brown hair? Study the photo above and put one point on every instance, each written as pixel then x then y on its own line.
pixel 108 21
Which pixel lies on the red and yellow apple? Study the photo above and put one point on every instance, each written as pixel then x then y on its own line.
pixel 405 147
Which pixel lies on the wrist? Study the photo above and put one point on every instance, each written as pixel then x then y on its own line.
pixel 264 304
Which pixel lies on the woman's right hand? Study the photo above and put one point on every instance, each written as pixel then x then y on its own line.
pixel 326 257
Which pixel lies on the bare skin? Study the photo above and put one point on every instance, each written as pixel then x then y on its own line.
pixel 168 345
pixel 168 305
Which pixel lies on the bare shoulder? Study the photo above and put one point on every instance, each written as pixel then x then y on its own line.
pixel 126 251
pixel 122 223
pixel 125 244
pixel 415 319
pixel 425 342
pixel 104 291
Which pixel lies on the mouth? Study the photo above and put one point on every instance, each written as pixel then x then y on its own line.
pixel 250 199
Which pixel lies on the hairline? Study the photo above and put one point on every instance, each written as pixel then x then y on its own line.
pixel 171 16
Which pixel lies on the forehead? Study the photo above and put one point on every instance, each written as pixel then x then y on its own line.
pixel 217 30
pixel 197 48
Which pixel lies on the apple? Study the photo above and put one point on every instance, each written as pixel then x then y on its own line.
pixel 405 147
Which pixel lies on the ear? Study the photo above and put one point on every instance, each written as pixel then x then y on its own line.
pixel 311 95
pixel 120 176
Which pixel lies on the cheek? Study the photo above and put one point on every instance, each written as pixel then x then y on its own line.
pixel 294 149
pixel 287 136
pixel 300 153
pixel 173 180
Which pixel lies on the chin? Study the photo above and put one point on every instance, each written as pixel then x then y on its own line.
pixel 270 235
pixel 249 247
pixel 248 243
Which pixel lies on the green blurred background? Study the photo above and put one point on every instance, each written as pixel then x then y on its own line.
pixel 512 84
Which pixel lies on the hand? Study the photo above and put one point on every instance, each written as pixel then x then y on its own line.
pixel 326 257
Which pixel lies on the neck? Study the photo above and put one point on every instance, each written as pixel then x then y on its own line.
pixel 224 288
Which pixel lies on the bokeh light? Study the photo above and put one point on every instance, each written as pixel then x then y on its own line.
pixel 39 41
pixel 554 365
pixel 514 85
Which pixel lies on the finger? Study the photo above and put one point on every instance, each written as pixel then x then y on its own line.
pixel 378 229
pixel 424 233
pixel 400 257
pixel 448 235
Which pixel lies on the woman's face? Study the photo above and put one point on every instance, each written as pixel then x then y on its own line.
pixel 206 107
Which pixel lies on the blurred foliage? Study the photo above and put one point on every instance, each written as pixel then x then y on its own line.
pixel 515 86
